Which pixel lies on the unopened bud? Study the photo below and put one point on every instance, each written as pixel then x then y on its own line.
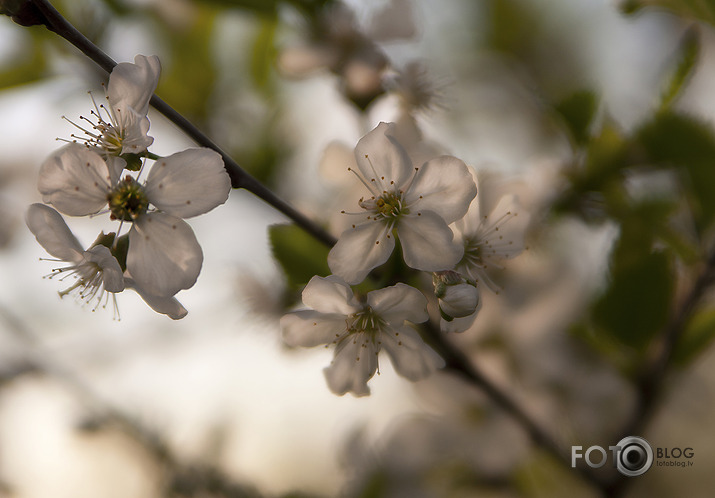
pixel 458 296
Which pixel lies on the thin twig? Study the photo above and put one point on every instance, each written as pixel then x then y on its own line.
pixel 56 23
pixel 650 383
pixel 459 364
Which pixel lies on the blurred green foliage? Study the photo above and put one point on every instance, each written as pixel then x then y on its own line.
pixel 698 336
pixel 299 255
pixel 702 10
pixel 27 65
pixel 577 111
pixel 191 73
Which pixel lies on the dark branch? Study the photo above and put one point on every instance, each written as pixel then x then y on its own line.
pixel 650 384
pixel 459 364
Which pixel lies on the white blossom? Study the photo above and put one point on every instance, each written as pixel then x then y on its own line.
pixel 96 271
pixel 360 330
pixel 415 202
pixel 416 90
pixel 338 44
pixel 121 126
pixel 164 255
pixel 490 236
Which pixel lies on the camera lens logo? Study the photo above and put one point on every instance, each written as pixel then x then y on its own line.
pixel 635 456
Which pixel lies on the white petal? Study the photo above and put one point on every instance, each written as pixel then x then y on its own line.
pixel 460 324
pixel 135 127
pixel 164 255
pixel 75 180
pixel 310 328
pixel 399 303
pixel 330 295
pixel 168 306
pixel 459 300
pixel 115 165
pixel 427 242
pixel 443 185
pixel 411 357
pixel 378 155
pixel 53 234
pixel 359 250
pixel 352 366
pixel 512 222
pixel 336 159
pixel 188 183
pixel 133 84
pixel 112 277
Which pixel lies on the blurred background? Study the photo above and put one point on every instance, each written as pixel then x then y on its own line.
pixel 597 113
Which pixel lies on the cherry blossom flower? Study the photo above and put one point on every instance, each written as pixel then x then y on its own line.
pixel 489 237
pixel 416 203
pixel 338 44
pixel 416 90
pixel 96 271
pixel 164 255
pixel 118 130
pixel 360 330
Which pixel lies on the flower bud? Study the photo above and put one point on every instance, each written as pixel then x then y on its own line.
pixel 458 296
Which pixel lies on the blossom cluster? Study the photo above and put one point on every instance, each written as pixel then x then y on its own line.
pixel 99 172
pixel 430 211
pixel 417 214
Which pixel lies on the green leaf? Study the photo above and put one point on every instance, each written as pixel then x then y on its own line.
pixel 27 65
pixel 698 335
pixel 577 111
pixel 260 6
pixel 636 304
pixel 264 55
pixel 688 53
pixel 672 139
pixel 188 79
pixel 703 10
pixel 299 255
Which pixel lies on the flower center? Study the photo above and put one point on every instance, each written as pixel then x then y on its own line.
pixel 388 206
pixel 366 322
pixel 111 138
pixel 128 200
pixel 106 134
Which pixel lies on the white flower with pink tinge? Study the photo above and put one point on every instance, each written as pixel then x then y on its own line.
pixel 360 330
pixel 416 203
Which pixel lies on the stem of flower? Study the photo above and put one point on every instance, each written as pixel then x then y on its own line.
pixel 457 362
pixel 650 384
pixel 55 22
